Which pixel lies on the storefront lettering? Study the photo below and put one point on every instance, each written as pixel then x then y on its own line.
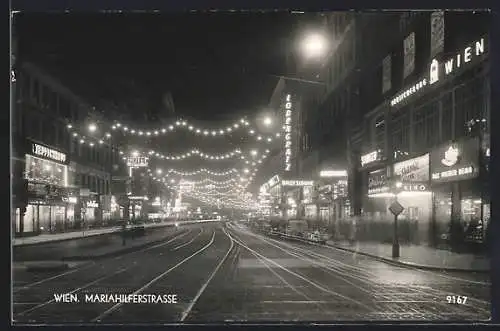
pixel 453 173
pixel 92 204
pixel 369 158
pixel 297 183
pixel 137 161
pixel 48 153
pixel 449 67
pixel 409 91
pixel 288 133
pixel 415 188
pixel 465 57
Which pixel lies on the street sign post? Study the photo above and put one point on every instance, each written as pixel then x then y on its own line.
pixel 396 208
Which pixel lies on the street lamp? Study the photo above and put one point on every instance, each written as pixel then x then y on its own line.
pixel 92 127
pixel 159 171
pixel 396 209
pixel 314 45
pixel 253 152
pixel 268 121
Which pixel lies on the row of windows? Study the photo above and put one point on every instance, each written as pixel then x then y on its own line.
pixel 40 127
pixel 418 127
pixel 32 89
pixel 93 183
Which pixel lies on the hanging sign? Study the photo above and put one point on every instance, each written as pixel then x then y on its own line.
pixel 288 133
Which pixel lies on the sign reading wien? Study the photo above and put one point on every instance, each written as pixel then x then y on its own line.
pixel 288 133
pixel 438 70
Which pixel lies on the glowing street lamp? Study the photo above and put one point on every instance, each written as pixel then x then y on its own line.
pixel 253 152
pixel 159 171
pixel 92 127
pixel 314 45
pixel 135 153
pixel 268 121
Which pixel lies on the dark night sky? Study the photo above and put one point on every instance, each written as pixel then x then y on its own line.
pixel 217 66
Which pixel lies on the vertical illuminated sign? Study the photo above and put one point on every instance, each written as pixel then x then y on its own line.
pixel 288 133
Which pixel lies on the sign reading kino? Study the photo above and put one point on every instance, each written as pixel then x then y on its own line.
pixel 288 133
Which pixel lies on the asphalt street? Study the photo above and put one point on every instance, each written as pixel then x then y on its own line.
pixel 228 273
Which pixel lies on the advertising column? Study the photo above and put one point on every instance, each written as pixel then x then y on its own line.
pixel 457 192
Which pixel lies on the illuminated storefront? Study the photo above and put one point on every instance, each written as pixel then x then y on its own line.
pixel 460 194
pixel 50 201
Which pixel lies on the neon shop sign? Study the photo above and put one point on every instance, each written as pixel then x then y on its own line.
pixel 436 69
pixel 288 133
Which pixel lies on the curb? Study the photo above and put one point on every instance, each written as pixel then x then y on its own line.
pixel 102 234
pixel 115 253
pixel 86 237
pixel 64 239
pixel 40 267
pixel 391 261
pixel 408 264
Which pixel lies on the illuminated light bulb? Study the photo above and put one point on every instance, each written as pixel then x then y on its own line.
pixel 163 130
pixel 132 131
pixel 221 131
pixel 259 138
pixel 190 128
pixel 214 133
pixel 108 135
pixel 251 131
pixel 148 133
pixel 113 127
pixel 101 142
pixel 171 127
pixel 236 126
pixel 69 126
pixel 140 133
pixel 82 141
pixel 198 130
pixel 205 133
pixel 177 123
pixel 156 132
pixel 91 144
pixel 125 129
pixel 118 124
pixel 75 134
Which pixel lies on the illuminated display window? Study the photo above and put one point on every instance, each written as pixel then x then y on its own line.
pixel 45 171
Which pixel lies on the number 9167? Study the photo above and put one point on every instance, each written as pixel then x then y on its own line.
pixel 456 299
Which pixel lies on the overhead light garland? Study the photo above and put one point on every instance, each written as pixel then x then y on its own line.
pixel 203 171
pixel 183 124
pixel 195 152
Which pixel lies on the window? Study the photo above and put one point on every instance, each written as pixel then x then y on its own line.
pixel 469 107
pixel 378 127
pixel 36 91
pixel 400 133
pixel 447 117
pixel 426 126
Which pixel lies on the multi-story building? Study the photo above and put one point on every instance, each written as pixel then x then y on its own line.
pixel 424 127
pixel 69 176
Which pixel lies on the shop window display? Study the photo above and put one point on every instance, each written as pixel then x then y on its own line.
pixel 45 171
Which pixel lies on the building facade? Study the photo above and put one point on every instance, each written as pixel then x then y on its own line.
pixel 429 131
pixel 69 176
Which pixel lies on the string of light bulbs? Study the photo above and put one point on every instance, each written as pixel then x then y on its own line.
pixel 232 203
pixel 196 152
pixel 203 171
pixel 183 124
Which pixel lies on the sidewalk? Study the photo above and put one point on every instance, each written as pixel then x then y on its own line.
pixel 418 256
pixel 46 238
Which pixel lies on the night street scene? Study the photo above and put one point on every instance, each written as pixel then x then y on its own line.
pixel 217 167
